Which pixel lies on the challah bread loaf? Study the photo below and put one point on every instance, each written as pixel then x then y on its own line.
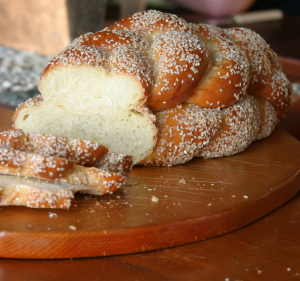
pixel 162 90
pixel 178 57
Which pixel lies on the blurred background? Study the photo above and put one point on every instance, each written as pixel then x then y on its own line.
pixel 33 31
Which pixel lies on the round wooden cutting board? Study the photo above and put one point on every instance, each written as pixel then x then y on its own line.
pixel 161 207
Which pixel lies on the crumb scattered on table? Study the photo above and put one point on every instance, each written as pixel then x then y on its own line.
pixel 182 181
pixel 154 199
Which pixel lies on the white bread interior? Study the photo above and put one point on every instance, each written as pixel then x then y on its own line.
pixel 86 88
pixel 89 103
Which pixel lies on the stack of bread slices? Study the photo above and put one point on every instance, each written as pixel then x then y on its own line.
pixel 45 171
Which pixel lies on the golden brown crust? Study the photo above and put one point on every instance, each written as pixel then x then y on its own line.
pixel 117 163
pixel 36 198
pixel 179 57
pixel 239 127
pixel 188 130
pixel 25 167
pixel 226 82
pixel 266 77
pixel 34 165
pixel 152 22
pixel 181 63
pixel 182 131
pixel 97 180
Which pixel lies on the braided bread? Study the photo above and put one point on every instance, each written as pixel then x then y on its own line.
pixel 162 90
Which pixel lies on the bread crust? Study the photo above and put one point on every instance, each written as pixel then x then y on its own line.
pixel 117 163
pixel 266 77
pixel 226 82
pixel 188 130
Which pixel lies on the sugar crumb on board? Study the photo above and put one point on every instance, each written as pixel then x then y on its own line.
pixel 182 181
pixel 52 215
pixel 154 199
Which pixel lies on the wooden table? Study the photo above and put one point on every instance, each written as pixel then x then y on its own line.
pixel 268 249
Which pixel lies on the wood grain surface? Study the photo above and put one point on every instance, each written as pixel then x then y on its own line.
pixel 199 200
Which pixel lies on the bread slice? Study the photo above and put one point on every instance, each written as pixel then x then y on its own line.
pixel 36 193
pixel 82 151
pixel 60 170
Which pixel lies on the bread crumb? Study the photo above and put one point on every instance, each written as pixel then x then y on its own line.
pixel 72 227
pixel 154 199
pixel 182 181
pixel 52 215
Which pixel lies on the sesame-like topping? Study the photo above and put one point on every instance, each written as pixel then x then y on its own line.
pixel 266 77
pixel 182 132
pixel 240 125
pixel 229 64
pixel 151 21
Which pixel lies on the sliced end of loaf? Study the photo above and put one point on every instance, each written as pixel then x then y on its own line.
pixel 123 131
